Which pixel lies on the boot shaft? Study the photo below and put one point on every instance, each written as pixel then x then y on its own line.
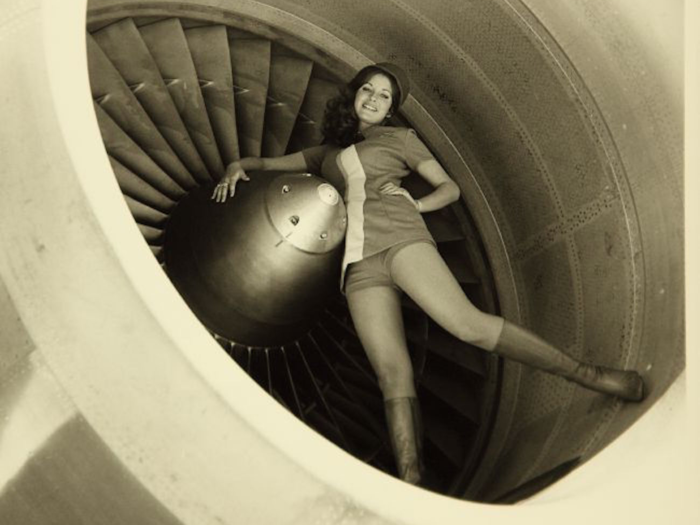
pixel 405 427
pixel 521 345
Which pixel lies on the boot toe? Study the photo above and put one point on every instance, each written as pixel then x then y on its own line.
pixel 630 386
pixel 637 390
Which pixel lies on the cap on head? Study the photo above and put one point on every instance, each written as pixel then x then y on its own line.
pixel 399 76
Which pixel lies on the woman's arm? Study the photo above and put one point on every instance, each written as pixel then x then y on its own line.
pixel 446 190
pixel 291 162
pixel 237 171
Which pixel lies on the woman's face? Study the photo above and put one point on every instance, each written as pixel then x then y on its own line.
pixel 373 100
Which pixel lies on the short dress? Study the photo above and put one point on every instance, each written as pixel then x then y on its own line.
pixel 376 221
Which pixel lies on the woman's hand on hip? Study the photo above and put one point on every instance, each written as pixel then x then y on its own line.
pixel 389 188
pixel 227 185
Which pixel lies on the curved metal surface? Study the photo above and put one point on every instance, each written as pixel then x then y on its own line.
pixel 599 223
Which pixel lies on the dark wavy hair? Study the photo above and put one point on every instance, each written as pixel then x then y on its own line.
pixel 340 122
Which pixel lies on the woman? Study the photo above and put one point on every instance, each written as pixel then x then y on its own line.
pixel 388 250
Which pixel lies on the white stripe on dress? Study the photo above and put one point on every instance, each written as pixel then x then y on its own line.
pixel 355 196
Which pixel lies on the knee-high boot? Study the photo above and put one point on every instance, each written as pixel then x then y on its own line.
pixel 406 432
pixel 523 346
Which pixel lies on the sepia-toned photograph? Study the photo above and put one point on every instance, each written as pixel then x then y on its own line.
pixel 344 262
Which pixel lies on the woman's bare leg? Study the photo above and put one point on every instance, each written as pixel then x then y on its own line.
pixel 376 314
pixel 420 271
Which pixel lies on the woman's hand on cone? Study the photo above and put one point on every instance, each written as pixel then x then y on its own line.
pixel 226 187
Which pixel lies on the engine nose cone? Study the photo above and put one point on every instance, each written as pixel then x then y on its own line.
pixel 257 268
pixel 306 213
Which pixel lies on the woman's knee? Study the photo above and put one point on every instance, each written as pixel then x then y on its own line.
pixel 481 330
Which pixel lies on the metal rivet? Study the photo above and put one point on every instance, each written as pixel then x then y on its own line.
pixel 294 219
pixel 286 189
pixel 324 235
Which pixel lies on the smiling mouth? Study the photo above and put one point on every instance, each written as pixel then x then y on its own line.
pixel 369 107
